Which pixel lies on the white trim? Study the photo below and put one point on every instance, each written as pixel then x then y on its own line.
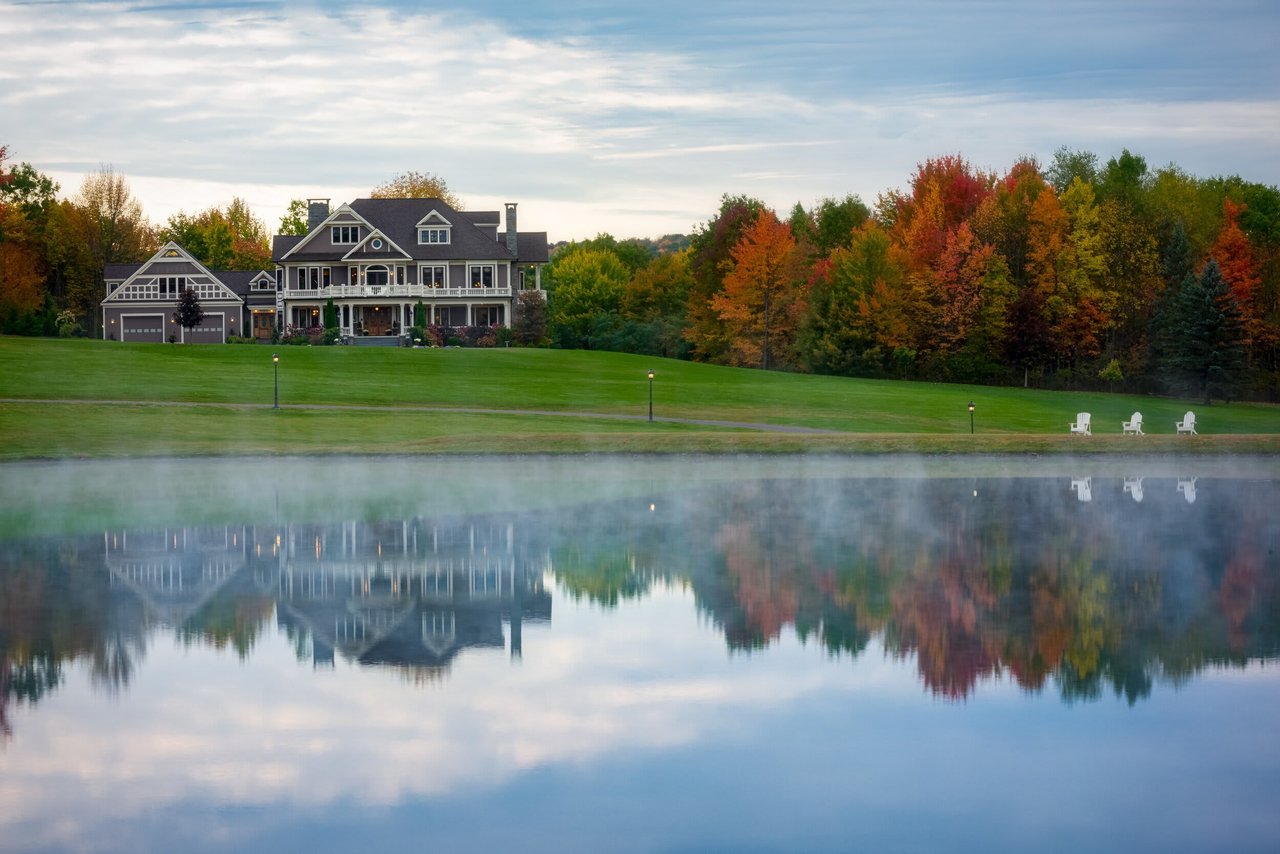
pixel 171 251
pixel 470 276
pixel 434 221
pixel 376 234
pixel 423 283
pixel 320 229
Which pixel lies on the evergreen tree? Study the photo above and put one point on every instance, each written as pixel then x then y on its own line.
pixel 188 314
pixel 1207 337
pixel 1175 269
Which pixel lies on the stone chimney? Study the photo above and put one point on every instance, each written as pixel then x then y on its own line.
pixel 317 212
pixel 511 227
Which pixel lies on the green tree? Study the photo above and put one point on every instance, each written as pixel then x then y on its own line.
pixel 294 220
pixel 1207 342
pixel 588 283
pixel 1069 165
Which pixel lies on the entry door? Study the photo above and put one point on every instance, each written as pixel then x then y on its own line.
pixel 262 325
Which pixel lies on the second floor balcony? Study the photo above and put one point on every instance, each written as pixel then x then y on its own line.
pixel 390 290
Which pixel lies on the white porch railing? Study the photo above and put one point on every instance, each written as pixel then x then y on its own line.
pixel 338 291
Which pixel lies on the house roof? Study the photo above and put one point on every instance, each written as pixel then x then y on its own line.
pixel 531 247
pixel 398 220
pixel 119 272
pixel 282 243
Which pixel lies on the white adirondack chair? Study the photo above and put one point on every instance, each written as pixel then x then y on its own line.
pixel 1083 487
pixel 1187 486
pixel 1134 424
pixel 1081 424
pixel 1188 424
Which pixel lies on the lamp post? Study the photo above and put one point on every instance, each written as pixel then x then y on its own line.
pixel 275 362
pixel 651 395
pixel 971 418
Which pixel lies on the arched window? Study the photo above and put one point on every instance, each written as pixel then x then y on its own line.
pixel 375 275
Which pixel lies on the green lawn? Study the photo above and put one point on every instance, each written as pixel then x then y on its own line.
pixel 868 415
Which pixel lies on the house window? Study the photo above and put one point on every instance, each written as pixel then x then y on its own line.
pixel 482 276
pixel 400 275
pixel 432 277
pixel 375 276
pixel 433 235
pixel 487 315
pixel 376 243
pixel 326 277
pixel 339 234
pixel 171 286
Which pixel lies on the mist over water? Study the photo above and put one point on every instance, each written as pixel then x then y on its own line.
pixel 438 639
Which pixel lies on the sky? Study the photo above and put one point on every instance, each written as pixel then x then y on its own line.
pixel 627 118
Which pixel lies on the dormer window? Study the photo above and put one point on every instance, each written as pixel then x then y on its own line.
pixel 344 234
pixel 433 235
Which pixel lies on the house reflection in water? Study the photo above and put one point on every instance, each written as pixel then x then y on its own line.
pixel 410 594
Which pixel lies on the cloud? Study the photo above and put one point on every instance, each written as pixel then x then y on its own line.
pixel 583 118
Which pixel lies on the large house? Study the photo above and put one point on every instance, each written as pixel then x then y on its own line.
pixel 375 258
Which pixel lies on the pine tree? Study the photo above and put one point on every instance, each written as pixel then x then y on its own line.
pixel 1207 338
pixel 1175 270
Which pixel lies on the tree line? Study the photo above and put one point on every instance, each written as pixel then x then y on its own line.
pixel 1077 274
pixel 1074 274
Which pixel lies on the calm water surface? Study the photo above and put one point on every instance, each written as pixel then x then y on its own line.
pixel 679 654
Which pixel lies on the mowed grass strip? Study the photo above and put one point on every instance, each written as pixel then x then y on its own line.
pixel 879 415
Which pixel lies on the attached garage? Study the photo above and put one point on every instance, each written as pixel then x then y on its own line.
pixel 212 330
pixel 142 327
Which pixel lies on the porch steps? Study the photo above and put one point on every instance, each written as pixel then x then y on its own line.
pixel 375 341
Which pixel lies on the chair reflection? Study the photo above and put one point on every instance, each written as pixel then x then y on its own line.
pixel 1133 486
pixel 1083 487
pixel 1187 486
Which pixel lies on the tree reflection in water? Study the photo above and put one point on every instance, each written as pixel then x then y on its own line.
pixel 973 580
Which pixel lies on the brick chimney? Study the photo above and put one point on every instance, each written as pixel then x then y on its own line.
pixel 317 212
pixel 511 227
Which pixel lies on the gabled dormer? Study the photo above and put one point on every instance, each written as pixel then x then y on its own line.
pixel 375 245
pixel 341 231
pixel 264 282
pixel 434 230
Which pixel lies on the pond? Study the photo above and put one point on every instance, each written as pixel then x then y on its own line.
pixel 640 654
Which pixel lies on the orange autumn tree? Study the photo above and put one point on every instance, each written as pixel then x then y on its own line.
pixel 763 297
pixel 1236 262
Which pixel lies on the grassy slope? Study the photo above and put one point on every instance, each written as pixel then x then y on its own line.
pixel 873 415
